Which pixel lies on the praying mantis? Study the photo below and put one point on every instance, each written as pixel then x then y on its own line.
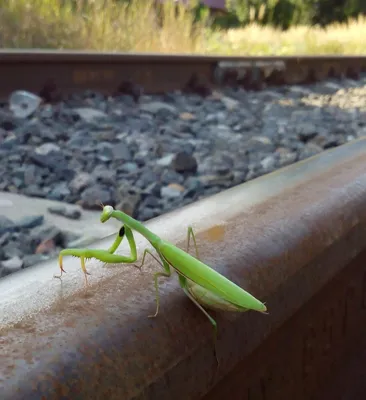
pixel 204 286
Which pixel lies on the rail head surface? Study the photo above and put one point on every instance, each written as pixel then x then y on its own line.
pixel 282 237
pixel 53 74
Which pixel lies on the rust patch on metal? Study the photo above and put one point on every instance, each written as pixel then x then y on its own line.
pixel 214 234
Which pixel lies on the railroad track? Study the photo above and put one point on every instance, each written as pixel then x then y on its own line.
pixel 52 74
pixel 294 238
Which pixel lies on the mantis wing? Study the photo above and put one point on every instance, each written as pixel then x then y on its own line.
pixel 201 274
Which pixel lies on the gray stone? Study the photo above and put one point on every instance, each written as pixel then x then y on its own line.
pixel 73 214
pixel 47 148
pixel 81 181
pixel 32 259
pixel 158 106
pixel 30 222
pixel 90 114
pixel 59 192
pixel 6 224
pixel 184 162
pixel 10 266
pixel 92 197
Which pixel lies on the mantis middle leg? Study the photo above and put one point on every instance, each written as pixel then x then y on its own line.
pixel 167 273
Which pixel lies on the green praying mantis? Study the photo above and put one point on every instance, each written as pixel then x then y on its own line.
pixel 204 286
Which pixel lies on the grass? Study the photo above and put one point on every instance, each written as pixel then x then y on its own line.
pixel 108 25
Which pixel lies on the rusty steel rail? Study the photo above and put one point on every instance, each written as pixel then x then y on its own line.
pixel 295 238
pixel 52 74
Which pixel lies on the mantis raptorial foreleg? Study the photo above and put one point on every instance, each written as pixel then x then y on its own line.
pixel 102 255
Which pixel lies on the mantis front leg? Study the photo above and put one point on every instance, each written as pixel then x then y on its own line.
pixel 102 255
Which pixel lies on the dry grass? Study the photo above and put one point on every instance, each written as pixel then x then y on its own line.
pixel 258 40
pixel 103 25
pixel 107 25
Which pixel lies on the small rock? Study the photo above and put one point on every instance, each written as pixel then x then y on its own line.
pixel 285 156
pixel 104 175
pixel 90 114
pixel 47 148
pixel 4 238
pixel 146 178
pixel 260 144
pixel 35 191
pixel 184 162
pixel 306 131
pixel 121 151
pixel 128 199
pixel 46 246
pixel 53 160
pixel 104 151
pixel 31 259
pixel 13 249
pixel 230 103
pixel 150 202
pixel 43 234
pixel 309 150
pixel 73 214
pixel 332 141
pixel 193 186
pixel 268 164
pixel 8 121
pixel 59 192
pixel 6 225
pixel 9 143
pixel 70 238
pixel 81 181
pixel 30 175
pixel 30 222
pixel 216 180
pixel 128 167
pixel 23 104
pixel 167 160
pixel 155 107
pixel 172 191
pixel 168 176
pixel 12 265
pixel 186 116
pixel 106 136
pixel 148 213
pixel 92 197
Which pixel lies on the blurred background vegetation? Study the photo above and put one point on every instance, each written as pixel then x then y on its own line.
pixel 286 13
pixel 248 27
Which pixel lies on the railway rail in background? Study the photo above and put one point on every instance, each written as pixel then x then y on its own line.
pixel 54 73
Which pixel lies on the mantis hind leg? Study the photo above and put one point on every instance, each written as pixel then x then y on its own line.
pixel 190 234
pixel 167 273
pixel 183 284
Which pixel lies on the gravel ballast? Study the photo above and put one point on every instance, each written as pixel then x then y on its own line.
pixel 163 152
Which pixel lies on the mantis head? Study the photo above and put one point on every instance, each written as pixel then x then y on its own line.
pixel 106 213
